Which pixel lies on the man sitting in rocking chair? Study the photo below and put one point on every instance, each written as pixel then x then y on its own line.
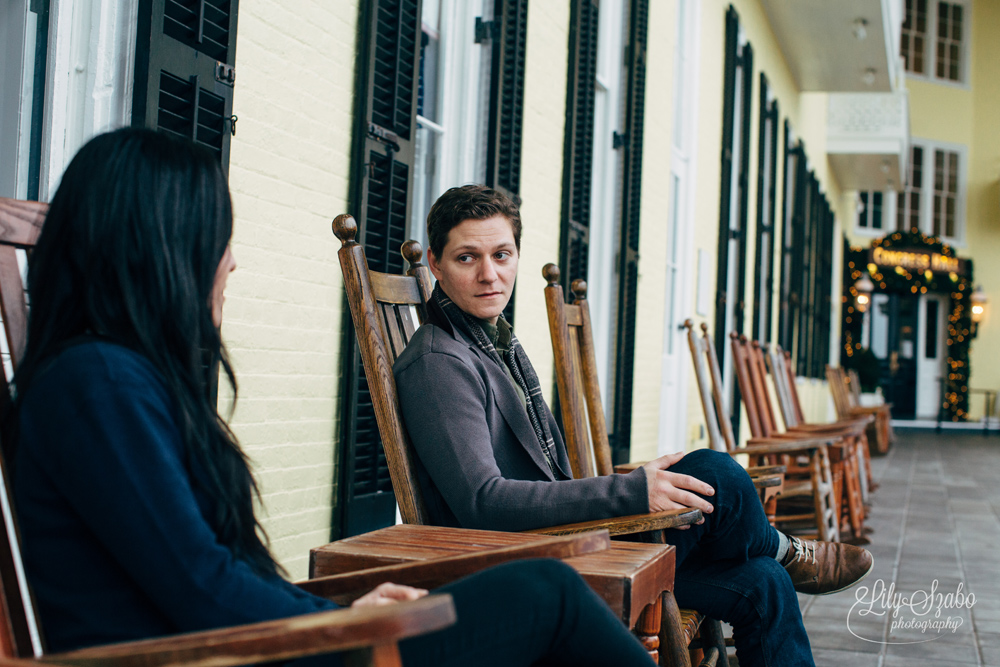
pixel 493 457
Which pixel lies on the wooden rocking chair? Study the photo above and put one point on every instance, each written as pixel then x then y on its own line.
pixel 843 441
pixel 581 409
pixel 822 518
pixel 786 388
pixel 386 309
pixel 846 391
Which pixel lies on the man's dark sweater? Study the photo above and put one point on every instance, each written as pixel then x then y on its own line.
pixel 115 540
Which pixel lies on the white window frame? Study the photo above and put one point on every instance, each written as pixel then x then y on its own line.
pixel 604 192
pixel 890 197
pixel 930 46
pixel 88 83
pixel 460 132
pixel 889 200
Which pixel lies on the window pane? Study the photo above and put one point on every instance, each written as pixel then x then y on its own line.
pixel 912 35
pixel 937 215
pixel 949 41
pixel 876 216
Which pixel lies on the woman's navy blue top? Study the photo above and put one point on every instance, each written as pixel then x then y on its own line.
pixel 115 540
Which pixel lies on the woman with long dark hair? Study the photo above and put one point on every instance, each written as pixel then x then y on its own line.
pixel 135 499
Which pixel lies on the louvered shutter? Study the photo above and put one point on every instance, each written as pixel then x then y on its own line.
pixel 503 149
pixel 382 166
pixel 767 154
pixel 628 257
pixel 184 70
pixel 578 152
pixel 738 61
pixel 790 181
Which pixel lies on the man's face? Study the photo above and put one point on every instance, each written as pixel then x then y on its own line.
pixel 478 266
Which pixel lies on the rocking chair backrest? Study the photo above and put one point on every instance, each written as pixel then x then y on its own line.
pixel 20 224
pixel 385 309
pixel 576 377
pixel 750 390
pixel 713 404
pixel 839 390
pixel 785 387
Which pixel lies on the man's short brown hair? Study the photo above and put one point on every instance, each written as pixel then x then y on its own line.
pixel 468 202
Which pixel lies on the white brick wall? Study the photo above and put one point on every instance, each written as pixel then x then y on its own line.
pixel 289 174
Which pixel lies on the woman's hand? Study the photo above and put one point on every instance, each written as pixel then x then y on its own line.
pixel 671 491
pixel 388 593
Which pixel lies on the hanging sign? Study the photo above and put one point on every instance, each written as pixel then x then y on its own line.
pixel 915 259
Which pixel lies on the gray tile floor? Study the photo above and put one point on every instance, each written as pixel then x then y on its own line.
pixel 936 517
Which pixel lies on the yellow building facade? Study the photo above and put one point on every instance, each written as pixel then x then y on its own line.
pixel 620 110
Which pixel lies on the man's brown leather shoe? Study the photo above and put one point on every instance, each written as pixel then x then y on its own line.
pixel 821 568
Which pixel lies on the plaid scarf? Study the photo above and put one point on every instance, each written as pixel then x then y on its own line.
pixel 520 368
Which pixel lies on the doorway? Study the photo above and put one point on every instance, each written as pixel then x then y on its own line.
pixel 907 333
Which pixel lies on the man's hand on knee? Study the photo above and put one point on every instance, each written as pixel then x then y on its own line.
pixel 670 490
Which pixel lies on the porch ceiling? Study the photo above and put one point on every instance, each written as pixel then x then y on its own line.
pixel 819 39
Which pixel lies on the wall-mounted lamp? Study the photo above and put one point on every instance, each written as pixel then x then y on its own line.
pixel 979 301
pixel 864 288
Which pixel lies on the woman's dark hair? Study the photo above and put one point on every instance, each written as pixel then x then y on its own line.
pixel 468 202
pixel 129 252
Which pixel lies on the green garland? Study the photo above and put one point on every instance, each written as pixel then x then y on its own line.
pixel 959 288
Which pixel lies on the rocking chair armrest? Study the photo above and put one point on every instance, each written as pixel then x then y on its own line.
pixel 849 426
pixel 768 481
pixel 753 471
pixel 282 639
pixel 783 445
pixel 628 525
pixel 759 471
pixel 347 587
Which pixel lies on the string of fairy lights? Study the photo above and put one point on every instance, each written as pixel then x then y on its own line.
pixel 900 280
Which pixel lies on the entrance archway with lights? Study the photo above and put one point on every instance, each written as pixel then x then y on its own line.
pixel 917 321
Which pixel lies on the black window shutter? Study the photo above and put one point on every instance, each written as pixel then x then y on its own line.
pixel 382 162
pixel 738 62
pixel 766 193
pixel 796 248
pixel 184 70
pixel 628 257
pixel 503 150
pixel 790 179
pixel 804 270
pixel 578 152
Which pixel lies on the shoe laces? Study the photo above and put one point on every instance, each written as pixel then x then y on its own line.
pixel 805 550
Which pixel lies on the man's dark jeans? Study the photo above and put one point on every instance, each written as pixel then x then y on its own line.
pixel 726 567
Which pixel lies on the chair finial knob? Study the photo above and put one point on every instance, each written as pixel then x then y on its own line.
pixel 551 274
pixel 689 324
pixel 579 288
pixel 704 328
pixel 345 228
pixel 734 336
pixel 412 251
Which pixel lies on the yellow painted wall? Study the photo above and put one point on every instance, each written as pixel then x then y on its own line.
pixel 289 172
